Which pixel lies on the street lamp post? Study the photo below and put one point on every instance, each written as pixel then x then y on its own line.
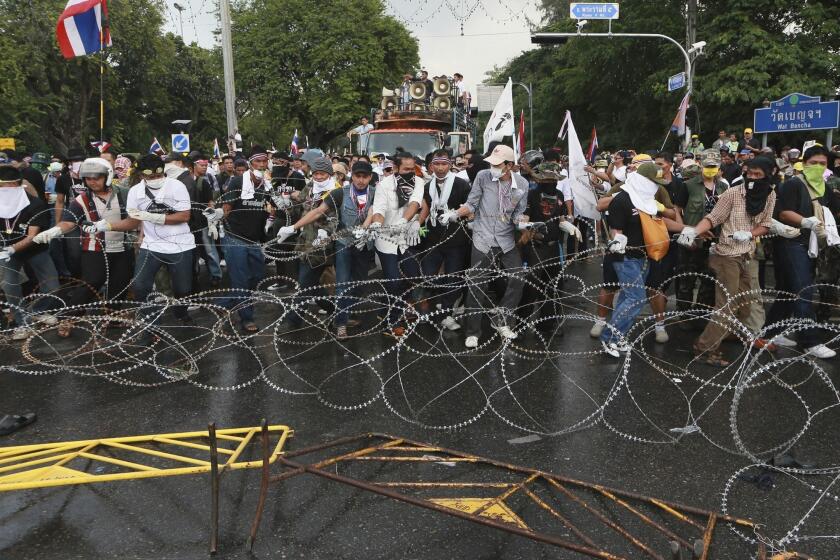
pixel 529 89
pixel 559 38
pixel 180 9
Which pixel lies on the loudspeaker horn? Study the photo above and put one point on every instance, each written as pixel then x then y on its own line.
pixel 442 103
pixel 418 90
pixel 388 103
pixel 442 86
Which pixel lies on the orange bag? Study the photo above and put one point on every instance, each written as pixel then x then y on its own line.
pixel 657 240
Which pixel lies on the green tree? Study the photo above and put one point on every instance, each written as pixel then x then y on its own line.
pixel 755 49
pixel 314 67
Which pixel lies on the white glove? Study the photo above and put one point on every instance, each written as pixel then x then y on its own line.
pixel 52 198
pixel 268 223
pixel 212 231
pixel 96 227
pixel 213 214
pixel 7 253
pixel 810 223
pixel 687 237
pixel 412 234
pixel 322 239
pixel 284 233
pixel 618 244
pixel 400 224
pixel 144 216
pixel 47 235
pixel 523 226
pixel 448 217
pixel 375 226
pixel 742 236
pixel 778 228
pixel 360 234
pixel 570 228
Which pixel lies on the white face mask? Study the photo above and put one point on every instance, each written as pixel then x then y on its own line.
pixel 496 173
pixel 155 183
pixel 257 173
pixel 323 185
pixel 172 171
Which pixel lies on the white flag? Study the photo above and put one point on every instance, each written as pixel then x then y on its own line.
pixel 582 192
pixel 501 121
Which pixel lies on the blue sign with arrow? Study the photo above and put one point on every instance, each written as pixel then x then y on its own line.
pixel 581 10
pixel 797 112
pixel 676 82
pixel 181 142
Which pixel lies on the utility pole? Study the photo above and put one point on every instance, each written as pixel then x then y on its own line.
pixel 227 63
pixel 180 9
pixel 690 39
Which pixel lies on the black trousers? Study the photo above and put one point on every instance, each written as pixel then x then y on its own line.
pixel 98 269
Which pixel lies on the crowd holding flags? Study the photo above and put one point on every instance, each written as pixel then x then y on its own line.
pixel 156 148
pixel 293 149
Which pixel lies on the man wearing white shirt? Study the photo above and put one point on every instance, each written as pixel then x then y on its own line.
pixel 161 206
pixel 398 200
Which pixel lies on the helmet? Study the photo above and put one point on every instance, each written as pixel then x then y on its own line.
pixel 94 167
pixel 534 157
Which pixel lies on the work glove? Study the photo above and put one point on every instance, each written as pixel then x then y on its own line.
pixel 742 236
pixel 47 235
pixel 269 223
pixel 810 223
pixel 143 216
pixel 322 239
pixel 361 235
pixel 284 233
pixel 780 229
pixel 687 237
pixel 448 217
pixel 96 227
pixel 412 234
pixel 212 231
pixel 213 214
pixel 7 253
pixel 619 244
pixel 570 228
pixel 525 226
pixel 282 201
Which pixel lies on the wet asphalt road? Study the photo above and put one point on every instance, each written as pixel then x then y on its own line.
pixel 611 425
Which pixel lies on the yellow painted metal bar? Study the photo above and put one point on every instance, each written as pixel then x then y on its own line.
pixel 156 453
pixel 23 457
pixel 191 445
pixel 119 462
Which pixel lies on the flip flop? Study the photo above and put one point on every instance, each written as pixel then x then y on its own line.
pixel 250 328
pixel 14 422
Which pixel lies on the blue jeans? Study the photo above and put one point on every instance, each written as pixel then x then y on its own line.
pixel 395 286
pixel 13 279
pixel 246 268
pixel 794 273
pixel 179 266
pixel 630 299
pixel 351 265
pixel 211 255
pixel 308 278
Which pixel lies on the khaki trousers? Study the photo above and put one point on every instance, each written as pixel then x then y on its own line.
pixel 733 275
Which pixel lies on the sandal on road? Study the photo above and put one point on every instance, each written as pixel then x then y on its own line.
pixel 710 358
pixel 14 422
pixel 250 327
pixel 65 329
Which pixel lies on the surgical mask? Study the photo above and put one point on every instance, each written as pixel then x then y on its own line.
pixel 496 173
pixel 75 166
pixel 258 173
pixel 815 174
pixel 155 183
pixel 172 171
pixel 710 172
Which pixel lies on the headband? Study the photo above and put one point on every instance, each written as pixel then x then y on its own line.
pixel 258 156
pixel 442 159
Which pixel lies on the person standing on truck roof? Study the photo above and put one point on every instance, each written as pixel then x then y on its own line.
pixel 405 91
pixel 424 77
pixel 363 132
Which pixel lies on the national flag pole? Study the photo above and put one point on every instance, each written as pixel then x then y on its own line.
pixel 103 25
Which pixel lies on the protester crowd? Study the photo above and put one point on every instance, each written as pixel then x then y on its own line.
pixel 446 232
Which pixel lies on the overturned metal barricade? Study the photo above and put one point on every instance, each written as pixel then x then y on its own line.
pixel 559 502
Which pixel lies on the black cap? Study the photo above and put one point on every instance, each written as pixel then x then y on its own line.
pixel 9 173
pixel 76 154
pixel 281 155
pixel 150 164
pixel 362 167
pixel 240 162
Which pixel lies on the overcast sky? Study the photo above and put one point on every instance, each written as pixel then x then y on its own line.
pixel 494 32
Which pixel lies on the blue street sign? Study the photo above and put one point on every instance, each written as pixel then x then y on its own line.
pixel 180 142
pixel 676 82
pixel 797 112
pixel 580 10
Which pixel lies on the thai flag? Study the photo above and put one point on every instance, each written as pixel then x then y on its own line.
pixel 101 146
pixel 294 147
pixel 83 28
pixel 156 148
pixel 217 154
pixel 593 146
pixel 678 125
